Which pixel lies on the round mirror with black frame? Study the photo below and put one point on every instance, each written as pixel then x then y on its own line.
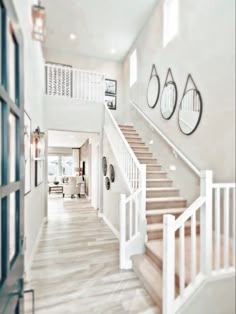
pixel 112 173
pixel 104 166
pixel 153 90
pixel 190 111
pixel 107 183
pixel 169 97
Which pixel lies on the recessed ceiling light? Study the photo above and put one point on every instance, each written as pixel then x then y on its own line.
pixel 113 51
pixel 151 142
pixel 72 36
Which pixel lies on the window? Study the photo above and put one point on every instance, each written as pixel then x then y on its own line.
pixel 53 166
pixel 133 68
pixel 171 20
pixel 60 166
pixel 67 165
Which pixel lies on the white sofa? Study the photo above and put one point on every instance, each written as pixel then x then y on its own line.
pixel 72 186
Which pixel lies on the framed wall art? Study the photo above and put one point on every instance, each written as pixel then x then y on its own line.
pixel 110 101
pixel 110 87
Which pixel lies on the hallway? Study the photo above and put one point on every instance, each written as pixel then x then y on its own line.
pixel 76 266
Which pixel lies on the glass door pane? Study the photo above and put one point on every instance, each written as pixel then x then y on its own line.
pixel 11 60
pixel 12 157
pixel 12 226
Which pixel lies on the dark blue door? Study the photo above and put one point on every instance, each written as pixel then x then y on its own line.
pixel 11 162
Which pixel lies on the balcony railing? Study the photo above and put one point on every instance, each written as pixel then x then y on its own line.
pixel 65 81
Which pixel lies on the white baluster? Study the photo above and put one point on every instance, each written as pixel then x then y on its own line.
pixel 122 232
pixel 193 246
pixel 168 294
pixel 206 222
pixel 136 214
pixel 217 228
pixel 233 226
pixel 181 260
pixel 226 227
pixel 130 218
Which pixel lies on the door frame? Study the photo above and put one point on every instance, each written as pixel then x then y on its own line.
pixel 12 288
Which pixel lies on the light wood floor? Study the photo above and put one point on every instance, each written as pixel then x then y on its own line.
pixel 76 266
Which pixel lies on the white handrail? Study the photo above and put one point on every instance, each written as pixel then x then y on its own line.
pixel 189 212
pixel 168 141
pixel 122 137
pixel 132 207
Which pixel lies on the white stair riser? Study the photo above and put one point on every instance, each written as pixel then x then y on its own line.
pixel 158 184
pixel 154 167
pixel 142 149
pixel 135 141
pixel 147 161
pixel 155 219
pixel 158 234
pixel 144 154
pixel 167 193
pixel 160 175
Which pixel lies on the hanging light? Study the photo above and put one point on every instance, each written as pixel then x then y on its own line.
pixel 39 22
pixel 39 142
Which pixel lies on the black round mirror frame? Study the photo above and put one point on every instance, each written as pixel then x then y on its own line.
pixel 176 98
pixel 112 173
pixel 158 94
pixel 200 112
pixel 104 166
pixel 107 183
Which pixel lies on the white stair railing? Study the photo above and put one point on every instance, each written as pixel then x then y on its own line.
pixel 223 229
pixel 65 81
pixel 202 254
pixel 133 207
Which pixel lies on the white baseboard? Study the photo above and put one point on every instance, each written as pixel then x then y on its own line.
pixel 110 225
pixel 28 263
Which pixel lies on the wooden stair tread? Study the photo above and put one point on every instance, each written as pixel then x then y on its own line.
pixel 170 211
pixel 162 189
pixel 156 171
pixel 149 275
pixel 166 199
pixel 125 126
pixel 159 226
pixel 157 180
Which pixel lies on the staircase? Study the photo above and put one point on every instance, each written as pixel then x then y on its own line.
pixel 161 199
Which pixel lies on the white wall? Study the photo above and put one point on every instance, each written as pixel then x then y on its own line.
pixel 72 115
pixel 111 198
pixel 59 151
pixel 216 297
pixel 204 47
pixel 111 70
pixel 34 85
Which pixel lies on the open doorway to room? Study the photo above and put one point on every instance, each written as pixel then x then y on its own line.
pixel 72 166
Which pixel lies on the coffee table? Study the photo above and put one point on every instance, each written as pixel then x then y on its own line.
pixel 55 188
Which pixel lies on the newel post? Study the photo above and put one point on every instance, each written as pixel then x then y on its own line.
pixel 206 222
pixel 122 232
pixel 168 291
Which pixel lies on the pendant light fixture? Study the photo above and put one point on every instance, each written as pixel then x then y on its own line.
pixel 39 22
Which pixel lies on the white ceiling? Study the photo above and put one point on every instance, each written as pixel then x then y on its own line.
pixel 99 25
pixel 69 139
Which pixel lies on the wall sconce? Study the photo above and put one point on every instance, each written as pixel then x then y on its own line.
pixel 39 142
pixel 39 22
